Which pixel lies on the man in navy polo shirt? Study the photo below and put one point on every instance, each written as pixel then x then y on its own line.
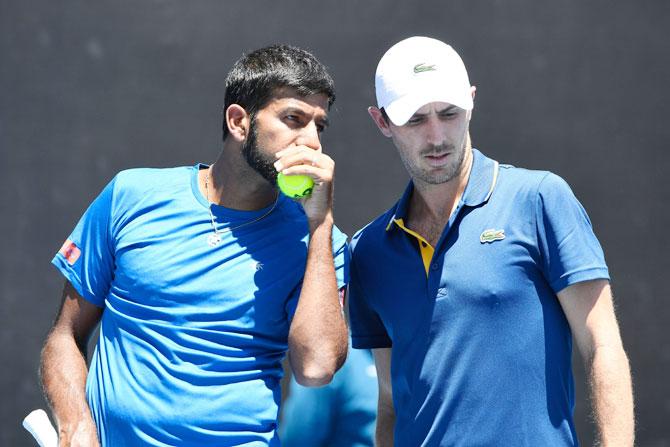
pixel 473 286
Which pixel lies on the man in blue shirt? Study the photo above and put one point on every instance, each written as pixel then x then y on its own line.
pixel 472 287
pixel 202 277
pixel 340 414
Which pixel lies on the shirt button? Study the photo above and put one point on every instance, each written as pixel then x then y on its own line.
pixel 434 266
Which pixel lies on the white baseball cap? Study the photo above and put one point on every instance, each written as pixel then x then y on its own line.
pixel 417 71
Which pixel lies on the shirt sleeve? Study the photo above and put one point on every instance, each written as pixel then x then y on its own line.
pixel 86 259
pixel 367 329
pixel 569 249
pixel 341 257
pixel 308 416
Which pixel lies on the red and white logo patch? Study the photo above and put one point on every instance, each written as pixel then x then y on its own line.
pixel 70 252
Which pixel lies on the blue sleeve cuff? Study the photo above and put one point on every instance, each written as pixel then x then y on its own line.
pixel 72 277
pixel 579 276
pixel 370 342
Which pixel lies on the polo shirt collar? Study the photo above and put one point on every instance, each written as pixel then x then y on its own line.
pixel 482 180
pixel 480 186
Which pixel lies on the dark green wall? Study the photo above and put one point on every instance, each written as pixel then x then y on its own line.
pixel 89 88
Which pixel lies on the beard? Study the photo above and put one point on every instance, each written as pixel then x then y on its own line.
pixel 256 158
pixel 427 175
pixel 452 170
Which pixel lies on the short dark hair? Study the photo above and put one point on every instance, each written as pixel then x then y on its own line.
pixel 256 76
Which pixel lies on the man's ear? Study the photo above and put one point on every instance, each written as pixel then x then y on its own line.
pixel 380 121
pixel 238 122
pixel 473 90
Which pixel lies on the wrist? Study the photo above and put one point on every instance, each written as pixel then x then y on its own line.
pixel 66 429
pixel 73 423
pixel 324 224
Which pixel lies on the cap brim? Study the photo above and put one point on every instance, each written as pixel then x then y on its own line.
pixel 402 109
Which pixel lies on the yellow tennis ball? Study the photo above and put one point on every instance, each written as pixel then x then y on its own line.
pixel 295 186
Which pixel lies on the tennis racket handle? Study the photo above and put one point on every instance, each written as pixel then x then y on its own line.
pixel 39 425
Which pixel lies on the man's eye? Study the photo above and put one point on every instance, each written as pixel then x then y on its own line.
pixel 448 114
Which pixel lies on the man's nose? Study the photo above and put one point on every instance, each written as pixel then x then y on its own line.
pixel 309 136
pixel 435 132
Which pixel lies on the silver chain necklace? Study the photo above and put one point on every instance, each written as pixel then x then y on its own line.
pixel 214 239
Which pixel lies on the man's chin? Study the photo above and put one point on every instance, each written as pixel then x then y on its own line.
pixel 438 176
pixel 264 168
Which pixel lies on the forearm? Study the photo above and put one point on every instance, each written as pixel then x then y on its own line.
pixel 318 334
pixel 385 426
pixel 63 372
pixel 612 396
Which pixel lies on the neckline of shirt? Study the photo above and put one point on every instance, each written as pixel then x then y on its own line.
pixel 220 210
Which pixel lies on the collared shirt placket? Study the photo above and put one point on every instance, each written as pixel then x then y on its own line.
pixel 437 288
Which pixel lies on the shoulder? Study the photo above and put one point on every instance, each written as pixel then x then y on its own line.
pixel 136 189
pixel 339 237
pixel 142 180
pixel 372 233
pixel 529 182
pixel 538 195
pixel 521 178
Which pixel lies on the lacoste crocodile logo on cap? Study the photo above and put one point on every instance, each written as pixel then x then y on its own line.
pixel 492 235
pixel 420 68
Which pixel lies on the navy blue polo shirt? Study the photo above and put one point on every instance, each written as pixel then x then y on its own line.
pixel 481 349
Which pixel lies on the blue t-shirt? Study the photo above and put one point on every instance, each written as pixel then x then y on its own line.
pixel 191 336
pixel 481 349
pixel 340 414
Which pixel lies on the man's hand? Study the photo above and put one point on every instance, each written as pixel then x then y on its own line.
pixel 303 160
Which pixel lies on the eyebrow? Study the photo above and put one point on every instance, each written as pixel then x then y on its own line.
pixel 298 111
pixel 446 109
pixel 325 122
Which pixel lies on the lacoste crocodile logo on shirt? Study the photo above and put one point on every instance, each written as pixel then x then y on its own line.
pixel 491 235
